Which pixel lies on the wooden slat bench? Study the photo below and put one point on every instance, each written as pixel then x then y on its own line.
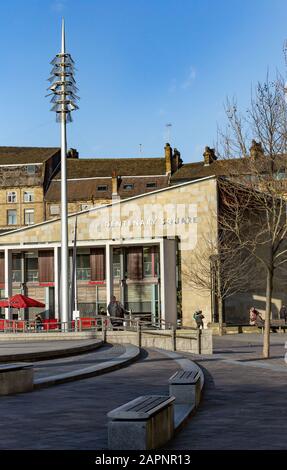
pixel 16 378
pixel 184 385
pixel 144 423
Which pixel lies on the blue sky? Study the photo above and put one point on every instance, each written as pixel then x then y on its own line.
pixel 141 64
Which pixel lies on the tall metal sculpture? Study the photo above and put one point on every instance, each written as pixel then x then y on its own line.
pixel 64 98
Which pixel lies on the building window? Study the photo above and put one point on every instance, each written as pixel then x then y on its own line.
pixel 103 187
pixel 11 197
pixel 31 267
pixel 117 263
pixel 54 210
pixel 150 261
pixel 128 186
pixel 12 217
pixel 16 267
pixel 151 184
pixel 28 196
pixel 31 169
pixel 83 267
pixel 29 216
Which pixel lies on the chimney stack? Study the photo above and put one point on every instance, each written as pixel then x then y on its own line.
pixel 168 158
pixel 176 161
pixel 209 156
pixel 114 184
pixel 256 149
pixel 72 153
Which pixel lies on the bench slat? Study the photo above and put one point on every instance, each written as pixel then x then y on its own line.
pixel 184 377
pixel 141 408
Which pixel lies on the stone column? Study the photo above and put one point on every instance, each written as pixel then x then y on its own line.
pixel 57 281
pixel 168 281
pixel 109 273
pixel 8 279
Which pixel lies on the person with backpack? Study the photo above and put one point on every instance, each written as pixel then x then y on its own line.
pixel 116 311
pixel 198 317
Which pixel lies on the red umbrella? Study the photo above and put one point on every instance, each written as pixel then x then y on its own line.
pixel 20 301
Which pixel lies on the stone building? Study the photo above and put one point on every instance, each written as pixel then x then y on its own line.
pixel 25 175
pixel 134 248
pixel 97 181
pixel 30 180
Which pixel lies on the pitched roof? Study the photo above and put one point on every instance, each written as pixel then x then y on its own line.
pixel 22 155
pixel 103 167
pixel 227 167
pixel 86 191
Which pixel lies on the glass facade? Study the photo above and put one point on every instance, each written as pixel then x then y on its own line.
pixel 83 267
pixel 136 279
pixel 31 267
pixel 135 271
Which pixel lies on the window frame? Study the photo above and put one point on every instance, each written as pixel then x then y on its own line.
pixel 31 194
pixel 125 188
pixel 152 183
pixel 9 195
pixel 31 169
pixel 15 212
pixel 29 211
pixel 100 186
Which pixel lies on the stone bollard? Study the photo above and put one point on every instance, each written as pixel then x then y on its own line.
pixel 198 341
pixel 173 338
pixel 139 334
pixel 104 331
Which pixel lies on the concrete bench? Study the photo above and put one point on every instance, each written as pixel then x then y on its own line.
pixel 16 378
pixel 144 423
pixel 184 385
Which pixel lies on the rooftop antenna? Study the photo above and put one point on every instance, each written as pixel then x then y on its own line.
pixel 168 131
pixel 63 91
pixel 140 145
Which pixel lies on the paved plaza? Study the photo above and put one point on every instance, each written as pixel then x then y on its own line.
pixel 244 400
pixel 243 406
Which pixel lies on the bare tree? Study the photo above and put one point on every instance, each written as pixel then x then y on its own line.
pixel 263 199
pixel 220 265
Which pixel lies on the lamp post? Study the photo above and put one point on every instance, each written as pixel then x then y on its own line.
pixel 63 91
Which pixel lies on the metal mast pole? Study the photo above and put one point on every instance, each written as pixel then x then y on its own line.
pixel 64 97
pixel 64 206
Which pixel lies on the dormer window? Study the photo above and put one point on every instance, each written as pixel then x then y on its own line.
pixel 103 187
pixel 151 184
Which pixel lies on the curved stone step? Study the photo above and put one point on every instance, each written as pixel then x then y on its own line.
pixel 131 354
pixel 45 354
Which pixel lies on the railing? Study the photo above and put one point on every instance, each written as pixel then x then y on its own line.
pixel 104 324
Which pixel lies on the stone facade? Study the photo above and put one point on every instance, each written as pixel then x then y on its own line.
pixel 179 213
pixel 21 204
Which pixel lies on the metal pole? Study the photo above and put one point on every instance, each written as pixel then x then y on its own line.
pixel 64 228
pixel 64 100
pixel 64 207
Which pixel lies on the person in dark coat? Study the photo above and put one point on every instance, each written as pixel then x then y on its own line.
pixel 283 313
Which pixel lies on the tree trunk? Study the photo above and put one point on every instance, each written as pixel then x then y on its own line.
pixel 220 316
pixel 269 291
